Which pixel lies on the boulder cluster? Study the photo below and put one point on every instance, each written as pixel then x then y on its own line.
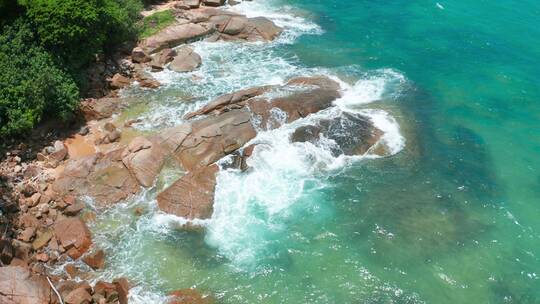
pixel 44 198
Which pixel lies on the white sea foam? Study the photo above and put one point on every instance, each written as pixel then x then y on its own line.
pixel 251 208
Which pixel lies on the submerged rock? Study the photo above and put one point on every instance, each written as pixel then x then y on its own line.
pixel 353 134
pixel 189 296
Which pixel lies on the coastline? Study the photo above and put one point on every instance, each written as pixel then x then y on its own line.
pixel 50 190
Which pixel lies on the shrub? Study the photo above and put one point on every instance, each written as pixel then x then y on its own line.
pixel 77 30
pixel 32 86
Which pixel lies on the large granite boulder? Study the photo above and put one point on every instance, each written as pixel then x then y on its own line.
pixel 192 196
pixel 175 35
pixel 214 137
pixel 19 286
pixel 237 27
pixel 186 60
pixel 73 234
pixel 144 159
pixel 231 121
pixel 103 177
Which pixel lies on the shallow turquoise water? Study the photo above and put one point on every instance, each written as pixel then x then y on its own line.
pixel 453 218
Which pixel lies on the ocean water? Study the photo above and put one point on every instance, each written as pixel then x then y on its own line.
pixel 450 215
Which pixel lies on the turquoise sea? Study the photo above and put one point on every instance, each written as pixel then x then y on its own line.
pixel 452 217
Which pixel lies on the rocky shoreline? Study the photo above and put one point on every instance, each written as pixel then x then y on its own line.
pixel 44 199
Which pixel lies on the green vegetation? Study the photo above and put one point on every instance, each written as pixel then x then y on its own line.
pixel 46 47
pixel 156 22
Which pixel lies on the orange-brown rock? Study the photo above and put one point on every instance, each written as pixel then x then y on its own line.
pixel 175 35
pixel 19 286
pixel 96 259
pixel 214 137
pixel 192 196
pixel 189 296
pixel 122 287
pixel 102 177
pixel 144 159
pixel 73 234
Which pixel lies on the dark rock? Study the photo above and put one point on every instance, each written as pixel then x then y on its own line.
pixel 354 134
pixel 213 3
pixel 7 252
pixel 122 287
pixel 74 209
pixel 138 55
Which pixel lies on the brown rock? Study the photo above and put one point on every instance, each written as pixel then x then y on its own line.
pixel 122 287
pixel 172 138
pixel 186 60
pixel 95 109
pixel 119 81
pixel 214 137
pixel 192 3
pixel 74 209
pixel 175 35
pixel 22 250
pixel 144 160
pixel 42 239
pixel 100 176
pixel 42 257
pixel 192 196
pixel 60 152
pixel 162 58
pixel 73 235
pixel 27 234
pixel 237 27
pixel 34 199
pixel 28 220
pixel 107 291
pixel 96 259
pixel 78 296
pixel 189 296
pixel 354 134
pixel 227 102
pixel 19 286
pixel 138 55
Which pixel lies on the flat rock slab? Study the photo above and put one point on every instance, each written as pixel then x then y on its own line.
pixel 73 234
pixel 192 196
pixel 175 35
pixel 19 286
pixel 102 177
